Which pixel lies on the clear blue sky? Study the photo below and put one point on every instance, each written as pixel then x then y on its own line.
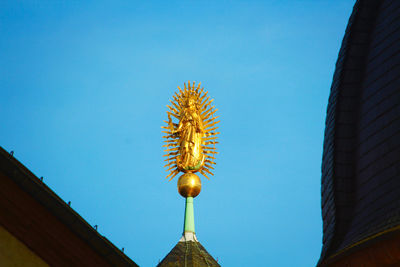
pixel 83 90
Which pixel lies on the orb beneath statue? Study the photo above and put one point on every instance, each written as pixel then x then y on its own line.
pixel 189 185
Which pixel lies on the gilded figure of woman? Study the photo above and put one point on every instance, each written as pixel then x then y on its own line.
pixel 190 143
pixel 191 131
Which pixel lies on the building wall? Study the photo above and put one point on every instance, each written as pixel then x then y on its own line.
pixel 14 253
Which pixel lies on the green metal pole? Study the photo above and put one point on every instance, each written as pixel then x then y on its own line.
pixel 189 216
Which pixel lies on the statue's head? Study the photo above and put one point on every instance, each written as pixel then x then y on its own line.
pixel 191 102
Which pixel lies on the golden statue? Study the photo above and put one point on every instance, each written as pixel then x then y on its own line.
pixel 191 141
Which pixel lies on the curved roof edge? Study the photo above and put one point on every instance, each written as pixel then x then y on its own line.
pixel 340 128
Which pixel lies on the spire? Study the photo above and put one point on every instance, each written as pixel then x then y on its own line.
pixel 188 226
pixel 188 252
pixel 190 148
pixel 189 233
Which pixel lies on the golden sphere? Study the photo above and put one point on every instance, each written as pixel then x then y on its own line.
pixel 189 185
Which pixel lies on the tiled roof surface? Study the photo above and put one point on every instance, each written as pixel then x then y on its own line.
pixel 361 159
pixel 188 254
pixel 340 131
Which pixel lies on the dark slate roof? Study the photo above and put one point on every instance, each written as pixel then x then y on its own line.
pixel 361 157
pixel 188 254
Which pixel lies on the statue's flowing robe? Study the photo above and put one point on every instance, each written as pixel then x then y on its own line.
pixel 191 131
